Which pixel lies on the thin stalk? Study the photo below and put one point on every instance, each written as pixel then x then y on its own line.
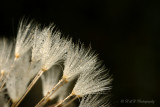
pixel 64 100
pixel 71 101
pixel 29 88
pixel 51 92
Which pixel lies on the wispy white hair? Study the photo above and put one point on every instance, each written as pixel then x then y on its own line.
pixel 93 80
pixel 24 38
pixel 78 59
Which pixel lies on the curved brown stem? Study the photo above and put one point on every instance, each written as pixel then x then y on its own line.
pixel 51 92
pixel 64 100
pixel 71 101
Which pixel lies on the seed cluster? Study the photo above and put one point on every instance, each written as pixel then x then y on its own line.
pixel 68 70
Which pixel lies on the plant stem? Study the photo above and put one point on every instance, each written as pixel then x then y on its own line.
pixel 71 101
pixel 51 92
pixel 64 100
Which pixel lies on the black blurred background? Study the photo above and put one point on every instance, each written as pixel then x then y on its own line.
pixel 125 33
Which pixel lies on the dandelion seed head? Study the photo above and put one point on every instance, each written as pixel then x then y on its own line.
pixel 92 81
pixel 38 50
pixel 77 60
pixel 24 38
pixel 49 48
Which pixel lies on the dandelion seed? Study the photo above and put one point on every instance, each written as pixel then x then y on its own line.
pixel 92 81
pixel 56 53
pixel 24 38
pixel 78 59
pixel 49 48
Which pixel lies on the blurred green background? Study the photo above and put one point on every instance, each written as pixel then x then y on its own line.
pixel 125 33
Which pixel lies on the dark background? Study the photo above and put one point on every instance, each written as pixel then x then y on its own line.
pixel 125 33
